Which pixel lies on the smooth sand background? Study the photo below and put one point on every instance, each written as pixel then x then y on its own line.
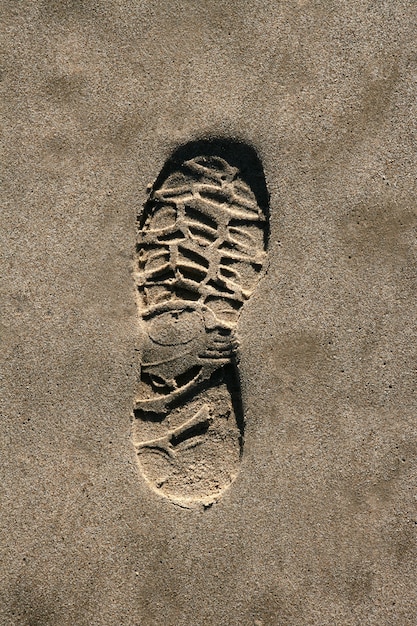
pixel 320 527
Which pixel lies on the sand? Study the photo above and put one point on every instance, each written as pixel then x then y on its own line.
pixel 316 524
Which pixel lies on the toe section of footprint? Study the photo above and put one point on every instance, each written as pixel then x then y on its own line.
pixel 200 251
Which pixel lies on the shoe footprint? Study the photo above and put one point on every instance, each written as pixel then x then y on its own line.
pixel 200 251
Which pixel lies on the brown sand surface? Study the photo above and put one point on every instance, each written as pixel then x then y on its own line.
pixel 319 527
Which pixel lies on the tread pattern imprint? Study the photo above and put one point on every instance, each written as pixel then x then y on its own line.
pixel 200 250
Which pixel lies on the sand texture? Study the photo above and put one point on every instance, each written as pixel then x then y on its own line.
pixel 208 313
